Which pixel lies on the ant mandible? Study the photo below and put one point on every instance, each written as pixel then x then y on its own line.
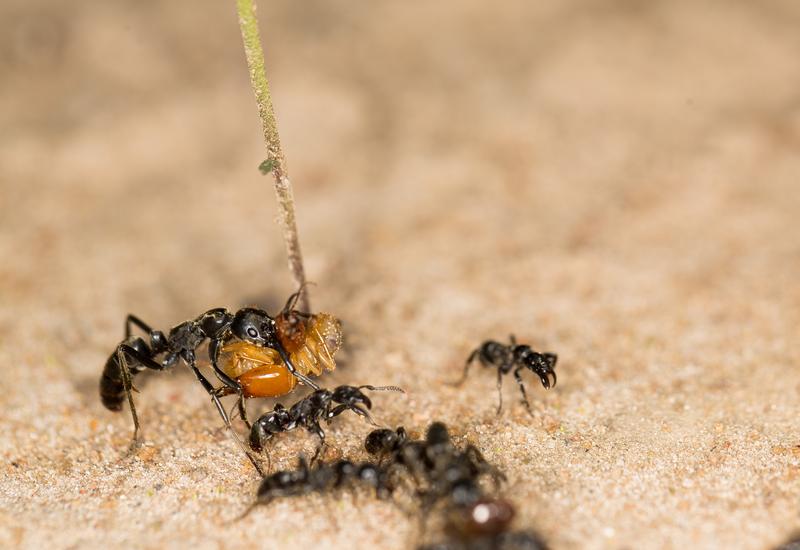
pixel 506 357
pixel 133 355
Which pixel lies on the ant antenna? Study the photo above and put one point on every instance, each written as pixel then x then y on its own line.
pixel 292 301
pixel 382 388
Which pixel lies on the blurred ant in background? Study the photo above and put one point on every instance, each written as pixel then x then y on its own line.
pixel 322 478
pixel 517 357
pixel 449 475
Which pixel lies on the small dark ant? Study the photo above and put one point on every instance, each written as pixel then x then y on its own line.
pixel 319 405
pixel 134 354
pixel 452 476
pixel 506 357
pixel 321 478
pixel 446 472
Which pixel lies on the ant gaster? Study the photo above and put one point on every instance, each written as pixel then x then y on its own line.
pixel 134 354
pixel 517 357
pixel 322 404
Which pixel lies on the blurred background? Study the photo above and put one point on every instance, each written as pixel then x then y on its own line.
pixel 612 180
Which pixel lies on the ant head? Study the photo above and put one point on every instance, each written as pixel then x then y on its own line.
pixel 486 517
pixel 543 365
pixel 254 326
pixel 384 440
pixel 437 434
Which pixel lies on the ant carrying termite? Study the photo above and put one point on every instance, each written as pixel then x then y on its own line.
pixel 311 339
pixel 514 356
pixel 322 404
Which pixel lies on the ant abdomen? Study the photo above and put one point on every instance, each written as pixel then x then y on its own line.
pixel 112 384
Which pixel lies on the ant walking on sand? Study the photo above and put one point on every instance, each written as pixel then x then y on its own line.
pixel 517 357
pixel 322 404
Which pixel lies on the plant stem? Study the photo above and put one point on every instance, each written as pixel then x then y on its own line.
pixel 275 163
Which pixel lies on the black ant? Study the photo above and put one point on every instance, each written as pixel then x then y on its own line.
pixel 134 354
pixel 322 404
pixel 450 475
pixel 446 472
pixel 506 357
pixel 321 478
pixel 310 341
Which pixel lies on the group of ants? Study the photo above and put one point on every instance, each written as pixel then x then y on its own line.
pixel 256 355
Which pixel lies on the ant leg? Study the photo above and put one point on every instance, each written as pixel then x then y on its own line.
pixel 513 340
pixel 134 320
pixel 190 360
pixel 317 429
pixel 243 412
pixel 467 364
pixel 483 466
pixel 518 378
pixel 291 368
pixel 127 378
pixel 339 409
pixel 499 390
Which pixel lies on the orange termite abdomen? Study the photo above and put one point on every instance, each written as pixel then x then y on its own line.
pixel 259 370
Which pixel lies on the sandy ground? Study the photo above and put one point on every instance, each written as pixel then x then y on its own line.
pixel 615 181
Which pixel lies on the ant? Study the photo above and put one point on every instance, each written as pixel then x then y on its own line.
pixel 514 356
pixel 322 477
pixel 310 341
pixel 477 522
pixel 446 472
pixel 253 326
pixel 322 404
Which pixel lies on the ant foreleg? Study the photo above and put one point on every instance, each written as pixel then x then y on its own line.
pixel 317 429
pixel 499 390
pixel 339 409
pixel 190 360
pixel 243 411
pixel 518 378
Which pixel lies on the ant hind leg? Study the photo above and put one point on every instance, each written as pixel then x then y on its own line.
pixel 499 390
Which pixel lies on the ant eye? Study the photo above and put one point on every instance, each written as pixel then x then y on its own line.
pixel 252 333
